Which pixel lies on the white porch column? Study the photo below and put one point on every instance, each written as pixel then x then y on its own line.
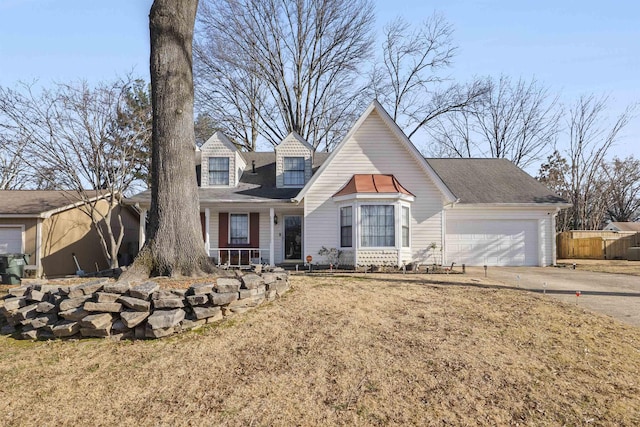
pixel 272 246
pixel 142 236
pixel 207 240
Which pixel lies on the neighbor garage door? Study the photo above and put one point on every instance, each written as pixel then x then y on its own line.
pixel 10 240
pixel 492 242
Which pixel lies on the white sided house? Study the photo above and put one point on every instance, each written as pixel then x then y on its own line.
pixel 375 198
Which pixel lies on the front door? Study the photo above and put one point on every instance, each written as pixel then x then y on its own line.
pixel 293 237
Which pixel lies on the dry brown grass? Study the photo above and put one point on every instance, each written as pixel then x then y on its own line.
pixel 381 350
pixel 604 265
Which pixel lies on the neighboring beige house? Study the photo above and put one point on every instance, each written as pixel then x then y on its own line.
pixel 49 227
pixel 623 226
pixel 375 198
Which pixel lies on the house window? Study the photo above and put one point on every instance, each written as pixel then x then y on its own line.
pixel 294 171
pixel 218 171
pixel 239 229
pixel 346 232
pixel 405 227
pixel 378 226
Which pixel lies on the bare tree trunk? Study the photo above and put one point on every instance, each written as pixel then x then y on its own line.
pixel 174 245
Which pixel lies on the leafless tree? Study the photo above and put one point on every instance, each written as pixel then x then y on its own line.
pixel 174 244
pixel 72 142
pixel 515 120
pixel 623 189
pixel 409 79
pixel 13 170
pixel 554 173
pixel 268 67
pixel 591 136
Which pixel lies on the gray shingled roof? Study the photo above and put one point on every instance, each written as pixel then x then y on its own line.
pixel 253 187
pixel 496 181
pixel 34 202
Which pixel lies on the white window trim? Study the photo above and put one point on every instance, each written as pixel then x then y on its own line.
pixel 353 227
pixel 209 174
pixel 356 223
pixel 402 206
pixel 248 227
pixel 395 224
pixel 304 172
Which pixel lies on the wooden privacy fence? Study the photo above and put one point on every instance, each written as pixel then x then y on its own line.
pixel 583 244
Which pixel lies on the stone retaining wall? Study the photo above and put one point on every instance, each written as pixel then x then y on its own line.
pixel 103 308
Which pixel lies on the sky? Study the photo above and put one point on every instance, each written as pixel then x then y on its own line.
pixel 572 47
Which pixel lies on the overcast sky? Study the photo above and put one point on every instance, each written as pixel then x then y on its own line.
pixel 573 47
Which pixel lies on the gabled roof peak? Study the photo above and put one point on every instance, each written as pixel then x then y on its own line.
pixel 222 138
pixel 295 136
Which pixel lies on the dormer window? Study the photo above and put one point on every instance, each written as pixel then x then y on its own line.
pixel 294 171
pixel 218 171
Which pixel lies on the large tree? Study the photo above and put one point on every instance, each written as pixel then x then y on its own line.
pixel 269 67
pixel 174 245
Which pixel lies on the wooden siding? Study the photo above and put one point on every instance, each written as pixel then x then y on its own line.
pixel 373 148
pixel 291 147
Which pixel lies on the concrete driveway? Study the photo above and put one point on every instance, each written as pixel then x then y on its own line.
pixel 616 295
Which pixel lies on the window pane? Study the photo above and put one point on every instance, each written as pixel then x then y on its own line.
pixel 405 226
pixel 378 227
pixel 239 224
pixel 293 171
pixel 346 235
pixel 218 171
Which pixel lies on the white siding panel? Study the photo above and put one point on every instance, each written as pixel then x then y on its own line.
pixel 373 149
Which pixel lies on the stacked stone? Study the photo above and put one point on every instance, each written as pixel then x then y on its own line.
pixel 101 308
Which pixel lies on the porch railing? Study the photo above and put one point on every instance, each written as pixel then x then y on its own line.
pixel 239 257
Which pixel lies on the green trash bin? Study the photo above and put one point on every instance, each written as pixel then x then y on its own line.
pixel 12 268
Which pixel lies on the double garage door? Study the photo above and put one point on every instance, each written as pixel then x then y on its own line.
pixel 10 240
pixel 492 242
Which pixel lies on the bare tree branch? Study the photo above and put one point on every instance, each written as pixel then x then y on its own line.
pixel 265 68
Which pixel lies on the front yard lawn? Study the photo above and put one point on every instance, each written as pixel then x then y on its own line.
pixel 345 350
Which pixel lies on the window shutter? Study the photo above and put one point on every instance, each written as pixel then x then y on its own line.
pixel 254 229
pixel 223 230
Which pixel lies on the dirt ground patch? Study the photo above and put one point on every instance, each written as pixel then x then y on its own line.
pixel 338 350
pixel 603 265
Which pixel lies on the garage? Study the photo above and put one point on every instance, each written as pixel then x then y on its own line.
pixel 11 239
pixel 492 242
